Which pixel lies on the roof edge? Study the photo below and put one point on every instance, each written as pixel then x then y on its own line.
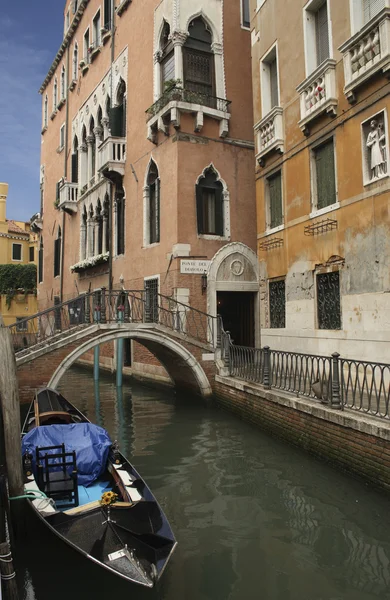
pixel 64 45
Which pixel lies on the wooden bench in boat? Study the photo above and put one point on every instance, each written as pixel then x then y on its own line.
pixel 78 510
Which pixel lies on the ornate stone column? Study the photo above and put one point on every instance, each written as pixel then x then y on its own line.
pixel 83 240
pixel 90 225
pixel 157 75
pixel 220 91
pixel 114 230
pixel 96 237
pixel 90 141
pixel 83 164
pixel 178 40
pixel 106 127
pixel 104 244
pixel 98 131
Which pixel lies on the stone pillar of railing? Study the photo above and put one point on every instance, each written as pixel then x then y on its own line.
pixel 217 49
pixel 103 315
pixel 267 368
pixel 90 141
pixel 335 400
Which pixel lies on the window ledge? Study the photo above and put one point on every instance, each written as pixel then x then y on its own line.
pixel 323 211
pixel 61 104
pixel 59 149
pixel 210 236
pixel 274 229
pixel 106 34
pixel 151 245
pixel 375 180
pixel 53 114
pixel 73 84
pixel 44 129
pixel 122 6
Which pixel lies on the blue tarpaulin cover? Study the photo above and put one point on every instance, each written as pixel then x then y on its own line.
pixel 90 442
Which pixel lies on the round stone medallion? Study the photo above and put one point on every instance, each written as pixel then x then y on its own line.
pixel 237 267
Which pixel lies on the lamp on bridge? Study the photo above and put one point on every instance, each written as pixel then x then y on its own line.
pixel 204 282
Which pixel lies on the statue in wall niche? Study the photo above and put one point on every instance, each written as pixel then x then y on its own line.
pixel 376 143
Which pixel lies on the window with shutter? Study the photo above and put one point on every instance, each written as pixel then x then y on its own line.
pixel 322 33
pixel 16 251
pixel 31 254
pixel 325 175
pixel 58 184
pixel 57 253
pixel 107 14
pixel 209 205
pixel 372 8
pixel 167 69
pixel 120 224
pixel 246 21
pixel 273 75
pixel 275 200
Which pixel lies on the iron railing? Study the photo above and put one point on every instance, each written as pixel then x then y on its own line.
pixel 185 95
pixel 339 382
pixel 127 306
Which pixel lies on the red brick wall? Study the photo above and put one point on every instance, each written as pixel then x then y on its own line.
pixel 352 450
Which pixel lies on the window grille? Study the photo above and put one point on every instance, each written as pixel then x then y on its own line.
pixel 151 300
pixel 277 303
pixel 328 300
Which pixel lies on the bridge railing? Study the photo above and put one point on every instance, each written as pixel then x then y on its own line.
pixel 101 306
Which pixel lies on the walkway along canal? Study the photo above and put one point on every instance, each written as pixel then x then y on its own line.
pixel 254 517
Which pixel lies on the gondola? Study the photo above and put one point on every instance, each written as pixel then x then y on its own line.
pixel 89 494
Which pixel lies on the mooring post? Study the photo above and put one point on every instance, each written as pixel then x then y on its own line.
pixel 96 354
pixel 335 398
pixel 119 351
pixel 9 399
pixel 267 368
pixel 8 579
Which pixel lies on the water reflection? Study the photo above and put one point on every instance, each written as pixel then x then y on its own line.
pixel 254 518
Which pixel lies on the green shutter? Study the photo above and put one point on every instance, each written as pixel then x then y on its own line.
pixel 326 184
pixel 75 168
pixel 218 211
pixel 275 200
pixel 322 34
pixel 57 190
pixel 273 75
pixel 116 121
pixel 199 208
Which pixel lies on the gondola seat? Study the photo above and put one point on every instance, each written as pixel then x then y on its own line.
pixel 57 474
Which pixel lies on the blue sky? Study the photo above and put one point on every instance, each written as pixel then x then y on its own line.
pixel 31 33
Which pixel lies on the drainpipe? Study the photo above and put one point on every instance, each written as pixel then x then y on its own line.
pixel 65 172
pixel 111 185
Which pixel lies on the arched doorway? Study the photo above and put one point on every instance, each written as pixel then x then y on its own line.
pixel 233 292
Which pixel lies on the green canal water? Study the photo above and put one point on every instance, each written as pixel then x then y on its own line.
pixel 254 517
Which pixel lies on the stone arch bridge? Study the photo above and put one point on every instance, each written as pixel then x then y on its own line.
pixel 182 338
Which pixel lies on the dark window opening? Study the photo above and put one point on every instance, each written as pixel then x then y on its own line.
pixel 16 251
pixel 154 204
pixel 322 33
pixel 209 205
pixel 40 262
pixel 75 161
pixel 127 352
pixel 31 254
pixel 120 222
pixel 117 113
pixel 107 14
pixel 21 324
pixel 151 300
pixel 246 20
pixel 199 59
pixel 57 254
pixel 277 303
pixel 328 300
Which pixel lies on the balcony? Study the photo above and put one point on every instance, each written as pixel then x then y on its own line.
pixel 367 53
pixel 69 197
pixel 112 158
pixel 318 94
pixel 175 100
pixel 269 135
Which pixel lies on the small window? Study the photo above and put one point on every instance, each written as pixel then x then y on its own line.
pixel 277 304
pixel 209 204
pixel 325 176
pixel 86 46
pixel 62 136
pixel 45 111
pixel 75 64
pixel 151 300
pixel 245 17
pixel 274 200
pixel 63 82
pixel 21 324
pixel 269 82
pixel 120 222
pixel 57 253
pixel 16 251
pixel 67 21
pixel 55 94
pixel 75 3
pixel 31 254
pixel 96 30
pixel 328 300
pixel 107 14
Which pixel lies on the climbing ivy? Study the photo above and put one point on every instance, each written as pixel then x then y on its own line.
pixel 16 279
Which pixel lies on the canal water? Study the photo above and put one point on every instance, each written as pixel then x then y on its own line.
pixel 255 519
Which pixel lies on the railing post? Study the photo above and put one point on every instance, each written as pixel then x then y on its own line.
pixel 335 400
pixel 127 307
pixel 103 317
pixel 267 368
pixel 88 309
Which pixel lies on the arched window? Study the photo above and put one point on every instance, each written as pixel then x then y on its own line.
pixel 75 61
pixel 57 253
pixel 153 204
pixel 106 224
pixel 93 145
pixel 75 160
pixel 167 58
pixel 55 94
pixel 45 111
pixel 118 112
pixel 99 221
pixel 84 235
pixel 40 261
pixel 120 221
pixel 209 204
pixel 91 232
pixel 63 82
pixel 198 59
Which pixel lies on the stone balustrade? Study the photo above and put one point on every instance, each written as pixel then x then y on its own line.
pixel 269 134
pixel 318 93
pixel 112 155
pixel 366 53
pixel 69 196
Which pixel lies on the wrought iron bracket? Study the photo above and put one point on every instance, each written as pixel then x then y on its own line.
pixel 271 244
pixel 320 227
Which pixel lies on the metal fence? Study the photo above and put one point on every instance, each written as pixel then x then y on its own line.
pixel 127 306
pixel 333 380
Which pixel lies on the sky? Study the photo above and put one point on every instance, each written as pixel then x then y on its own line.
pixel 31 34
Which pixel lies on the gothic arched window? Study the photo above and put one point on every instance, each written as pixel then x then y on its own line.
pixel 63 82
pixel 118 112
pixel 120 221
pixel 40 261
pixel 198 59
pixel 55 94
pixel 153 193
pixel 209 204
pixel 75 62
pixel 57 253
pixel 167 60
pixel 75 160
